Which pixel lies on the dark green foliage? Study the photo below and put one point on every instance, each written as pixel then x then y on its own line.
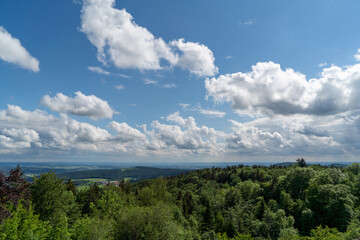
pixel 70 186
pixel 51 199
pixel 301 162
pixel 296 202
pixel 296 181
pixel 88 198
pixel 13 189
pixel 260 208
pixel 332 205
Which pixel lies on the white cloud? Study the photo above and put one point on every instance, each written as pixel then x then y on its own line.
pixel 357 55
pixel 20 129
pixel 150 82
pixel 83 132
pixel 119 87
pixel 252 140
pixel 186 136
pixel 98 70
pixel 114 33
pixel 123 75
pixel 125 132
pixel 269 90
pixel 120 40
pixel 196 58
pixel 18 138
pixel 81 105
pixel 211 113
pixel 322 64
pixel 248 22
pixel 169 85
pixel 294 135
pixel 37 132
pixel 12 51
pixel 229 57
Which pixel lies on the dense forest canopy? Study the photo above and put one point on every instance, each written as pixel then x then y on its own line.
pixel 238 202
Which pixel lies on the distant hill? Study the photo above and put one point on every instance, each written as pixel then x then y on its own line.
pixel 134 174
pixel 285 164
pixel 329 164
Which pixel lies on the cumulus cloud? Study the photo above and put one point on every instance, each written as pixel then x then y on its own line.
pixel 184 135
pixel 18 138
pixel 39 130
pixel 287 136
pixel 120 40
pixel 125 132
pixel 299 134
pixel 81 105
pixel 269 90
pixel 196 58
pixel 12 51
pixel 250 139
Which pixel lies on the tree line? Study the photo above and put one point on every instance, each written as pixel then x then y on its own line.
pixel 238 202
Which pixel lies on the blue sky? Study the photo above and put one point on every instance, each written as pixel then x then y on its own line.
pixel 179 81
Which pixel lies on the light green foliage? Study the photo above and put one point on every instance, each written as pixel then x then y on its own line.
pixel 286 201
pixel 353 168
pixel 273 223
pixel 110 203
pixel 59 228
pixel 23 224
pixel 289 234
pixel 325 233
pixel 249 189
pixel 330 176
pixel 352 231
pixel 239 236
pixel 150 223
pixel 153 193
pixel 91 229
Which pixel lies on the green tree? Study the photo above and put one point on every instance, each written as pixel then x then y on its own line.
pixel 332 205
pixel 50 198
pixel 70 186
pixel 13 189
pixel 325 233
pixel 301 162
pixel 87 228
pixel 274 222
pixel 23 224
pixel 150 223
pixel 296 181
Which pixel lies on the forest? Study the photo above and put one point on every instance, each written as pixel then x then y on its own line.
pixel 304 202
